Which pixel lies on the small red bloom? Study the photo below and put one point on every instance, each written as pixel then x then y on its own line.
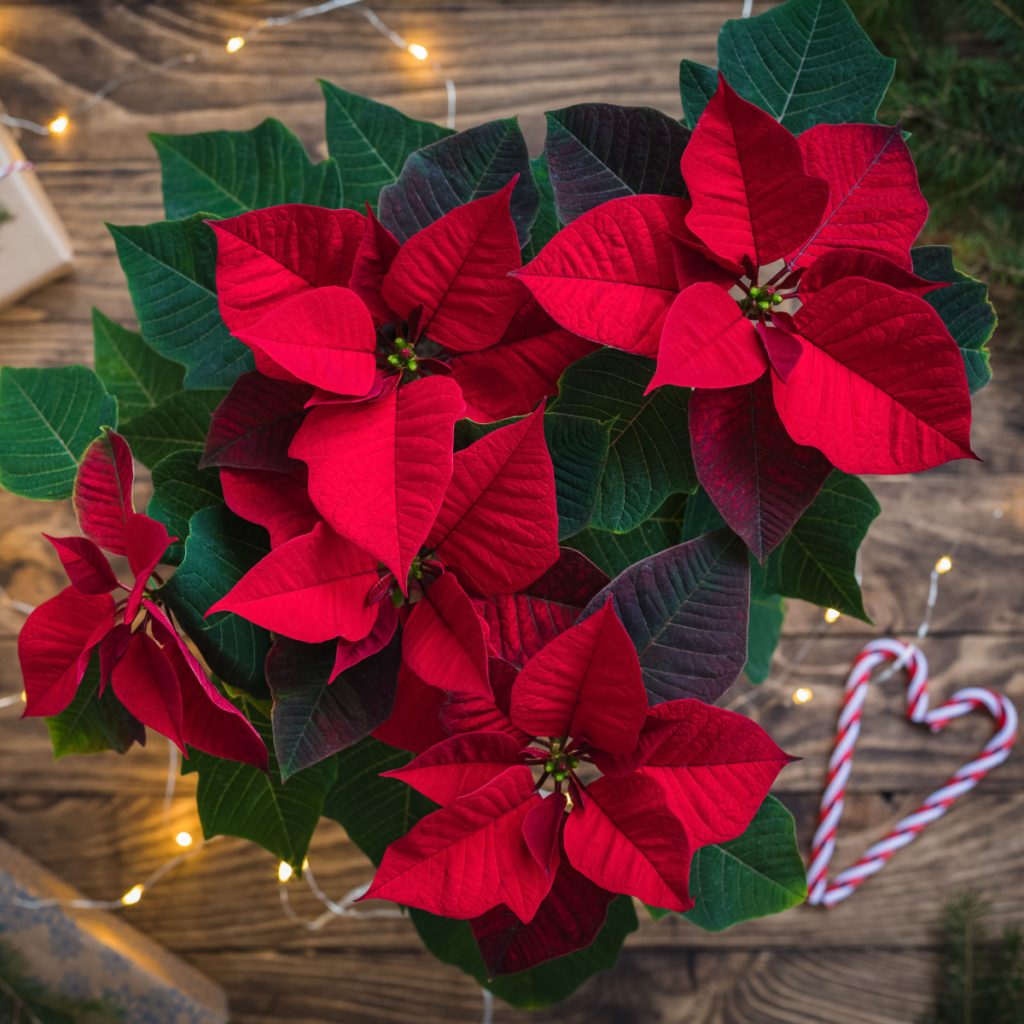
pixel 142 657
pixel 634 792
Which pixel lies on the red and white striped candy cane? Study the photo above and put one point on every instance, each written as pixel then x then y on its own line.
pixel 14 167
pixel 963 702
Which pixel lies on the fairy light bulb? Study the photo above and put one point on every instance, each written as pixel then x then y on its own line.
pixel 419 51
pixel 943 565
pixel 59 124
pixel 133 895
pixel 803 695
pixel 234 44
pixel 183 839
pixel 284 871
pixel 832 615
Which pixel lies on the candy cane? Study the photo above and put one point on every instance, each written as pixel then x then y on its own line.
pixel 14 167
pixel 963 702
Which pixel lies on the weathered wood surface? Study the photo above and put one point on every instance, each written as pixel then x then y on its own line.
pixel 98 822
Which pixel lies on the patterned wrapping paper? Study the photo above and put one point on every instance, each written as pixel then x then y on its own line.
pixel 34 247
pixel 91 954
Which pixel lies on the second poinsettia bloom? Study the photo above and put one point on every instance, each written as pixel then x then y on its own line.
pixel 582 791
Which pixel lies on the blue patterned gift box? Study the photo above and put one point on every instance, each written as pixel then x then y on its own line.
pixel 91 954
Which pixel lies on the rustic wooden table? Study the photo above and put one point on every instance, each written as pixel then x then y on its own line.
pixel 97 821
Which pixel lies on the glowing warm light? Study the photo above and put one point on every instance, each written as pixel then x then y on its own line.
pixel 832 615
pixel 59 125
pixel 234 44
pixel 183 839
pixel 943 565
pixel 24 697
pixel 133 895
pixel 284 871
pixel 802 694
pixel 419 51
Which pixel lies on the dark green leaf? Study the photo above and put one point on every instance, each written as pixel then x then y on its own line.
pixel 239 800
pixel 964 307
pixel 701 516
pixel 180 489
pixel 452 942
pixel 220 549
pixel 649 448
pixel 817 561
pixel 767 613
pixel 579 448
pixel 370 142
pixel 48 417
pixel 178 423
pixel 697 84
pixel 91 723
pixel 600 151
pixel 546 224
pixel 228 173
pixel 686 610
pixel 806 62
pixel 130 370
pixel 170 269
pixel 616 552
pixel 314 716
pixel 458 169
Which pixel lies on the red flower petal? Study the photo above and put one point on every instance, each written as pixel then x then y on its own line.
pixel 758 478
pixel 469 856
pixel 781 343
pixel 498 526
pixel 746 180
pixel 266 256
pixel 378 470
pixel 351 652
pixel 625 839
pixel 147 685
pixel 324 336
pixel 881 386
pixel 708 342
pixel 610 275
pixel 570 917
pixel 459 765
pixel 875 203
pixel 85 564
pixel 695 262
pixel 465 714
pixel 456 269
pixel 840 264
pixel 715 766
pixel 277 501
pixel 312 589
pixel 585 684
pixel 55 644
pixel 443 640
pixel 103 491
pixel 415 722
pixel 374 257
pixel 542 829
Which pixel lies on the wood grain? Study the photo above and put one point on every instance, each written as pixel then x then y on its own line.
pixel 97 821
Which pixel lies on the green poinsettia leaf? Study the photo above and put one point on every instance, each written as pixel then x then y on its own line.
pixel 701 516
pixel 48 417
pixel 220 549
pixel 92 723
pixel 817 560
pixel 170 267
pixel 227 173
pixel 370 142
pixel 458 169
pixel 137 376
pixel 178 423
pixel 546 223
pixel 180 489
pixel 240 800
pixel 648 452
pixel 758 874
pixel 600 151
pixel 964 307
pixel 697 84
pixel 315 716
pixel 806 62
pixel 616 552
pixel 767 614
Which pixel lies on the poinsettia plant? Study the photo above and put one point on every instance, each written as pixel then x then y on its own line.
pixel 478 479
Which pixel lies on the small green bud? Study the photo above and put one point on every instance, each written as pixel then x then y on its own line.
pixel 776 299
pixel 755 291
pixel 549 766
pixel 560 776
pixel 393 360
pixel 764 304
pixel 413 365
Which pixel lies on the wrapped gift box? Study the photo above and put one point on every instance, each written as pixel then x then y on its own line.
pixel 96 955
pixel 34 247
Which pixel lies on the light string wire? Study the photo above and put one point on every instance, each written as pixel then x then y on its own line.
pixel 60 123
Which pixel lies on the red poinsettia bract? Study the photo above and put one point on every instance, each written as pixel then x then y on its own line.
pixel 634 791
pixel 142 658
pixel 782 292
